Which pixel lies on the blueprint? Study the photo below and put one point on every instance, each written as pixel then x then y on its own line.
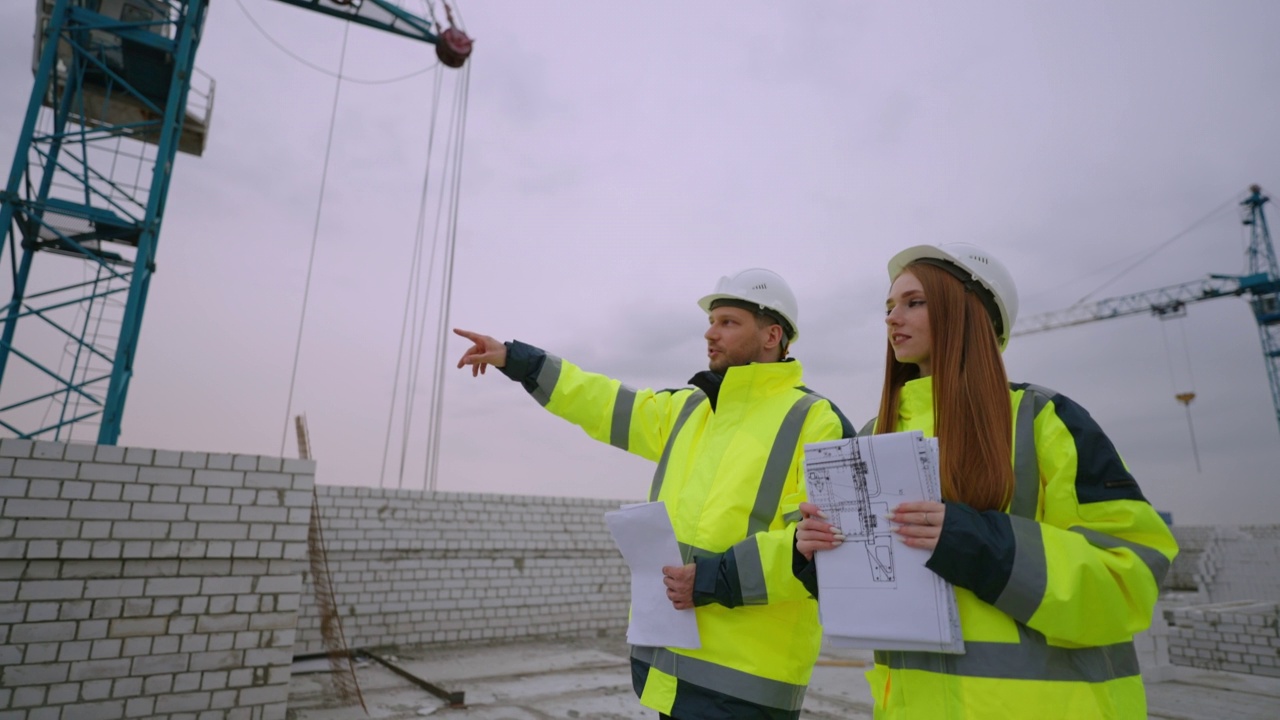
pixel 874 591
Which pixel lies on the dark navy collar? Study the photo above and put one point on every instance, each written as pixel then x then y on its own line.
pixel 709 381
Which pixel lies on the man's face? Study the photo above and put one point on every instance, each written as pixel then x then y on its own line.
pixel 734 339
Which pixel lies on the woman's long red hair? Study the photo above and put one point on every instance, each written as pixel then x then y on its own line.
pixel 971 412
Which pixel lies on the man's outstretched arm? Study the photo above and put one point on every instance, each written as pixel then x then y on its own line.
pixel 638 421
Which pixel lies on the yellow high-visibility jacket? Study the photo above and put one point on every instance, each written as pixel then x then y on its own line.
pixel 729 454
pixel 1050 593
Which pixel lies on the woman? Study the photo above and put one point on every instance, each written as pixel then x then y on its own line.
pixel 1055 555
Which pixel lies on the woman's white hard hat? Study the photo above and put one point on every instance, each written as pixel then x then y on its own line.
pixel 979 266
pixel 761 287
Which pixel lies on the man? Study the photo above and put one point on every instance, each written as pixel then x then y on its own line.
pixel 729 453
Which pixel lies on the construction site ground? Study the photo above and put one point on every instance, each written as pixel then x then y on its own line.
pixel 590 679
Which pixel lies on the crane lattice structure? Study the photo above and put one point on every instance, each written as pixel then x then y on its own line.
pixel 116 96
pixel 1260 283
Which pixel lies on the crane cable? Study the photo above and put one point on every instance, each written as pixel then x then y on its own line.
pixel 1184 397
pixel 448 11
pixel 413 293
pixel 315 234
pixel 421 330
pixel 325 71
pixel 452 167
pixel 1233 200
pixel 464 94
pixel 419 297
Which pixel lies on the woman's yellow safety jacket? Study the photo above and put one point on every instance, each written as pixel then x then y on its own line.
pixel 729 454
pixel 1050 593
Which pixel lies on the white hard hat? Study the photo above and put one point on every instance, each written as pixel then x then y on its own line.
pixel 761 287
pixel 971 264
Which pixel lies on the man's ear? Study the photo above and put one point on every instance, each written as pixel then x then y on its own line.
pixel 775 336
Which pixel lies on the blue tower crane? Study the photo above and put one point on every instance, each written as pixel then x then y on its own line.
pixel 1261 283
pixel 88 187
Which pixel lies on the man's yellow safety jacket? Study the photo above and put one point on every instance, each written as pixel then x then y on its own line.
pixel 1050 593
pixel 729 454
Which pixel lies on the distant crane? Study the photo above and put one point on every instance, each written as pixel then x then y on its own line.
pixel 1261 283
pixel 90 183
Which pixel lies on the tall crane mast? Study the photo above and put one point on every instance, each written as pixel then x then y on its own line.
pixel 1260 283
pixel 89 182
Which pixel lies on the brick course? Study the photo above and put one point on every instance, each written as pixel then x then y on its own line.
pixel 1238 563
pixel 1241 636
pixel 122 568
pixel 410 567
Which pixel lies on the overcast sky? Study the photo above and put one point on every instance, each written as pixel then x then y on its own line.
pixel 619 158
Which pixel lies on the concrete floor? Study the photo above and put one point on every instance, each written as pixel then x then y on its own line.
pixel 590 679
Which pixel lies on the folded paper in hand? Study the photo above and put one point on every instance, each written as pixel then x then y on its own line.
pixel 647 541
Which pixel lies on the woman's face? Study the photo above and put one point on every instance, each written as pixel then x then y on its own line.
pixel 907 319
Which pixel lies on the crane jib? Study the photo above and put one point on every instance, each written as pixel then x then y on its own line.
pixel 1260 282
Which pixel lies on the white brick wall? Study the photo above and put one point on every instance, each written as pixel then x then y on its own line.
pixel 1191 543
pixel 1240 563
pixel 1241 636
pixel 411 567
pixel 147 583
pixel 1230 622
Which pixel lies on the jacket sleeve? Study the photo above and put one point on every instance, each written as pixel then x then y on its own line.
pixel 1088 572
pixel 637 421
pixel 758 569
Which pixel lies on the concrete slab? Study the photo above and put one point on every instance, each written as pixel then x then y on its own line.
pixel 619 704
pixel 387 696
pixel 838 688
pixel 1188 702
pixel 446 665
pixel 1193 694
pixel 591 679
pixel 544 688
pixel 514 681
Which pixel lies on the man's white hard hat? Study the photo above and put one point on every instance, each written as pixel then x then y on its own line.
pixel 971 264
pixel 763 288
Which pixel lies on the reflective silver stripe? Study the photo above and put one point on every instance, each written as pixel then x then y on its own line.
pixel 1030 659
pixel 750 572
pixel 793 517
pixel 869 428
pixel 1156 562
pixel 691 402
pixel 1026 467
pixel 1029 577
pixel 546 381
pixel 620 428
pixel 689 553
pixel 778 465
pixel 735 683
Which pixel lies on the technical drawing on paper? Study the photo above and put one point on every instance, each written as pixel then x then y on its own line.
pixel 842 480
pixel 874 591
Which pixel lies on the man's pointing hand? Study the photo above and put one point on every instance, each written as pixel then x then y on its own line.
pixel 484 352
